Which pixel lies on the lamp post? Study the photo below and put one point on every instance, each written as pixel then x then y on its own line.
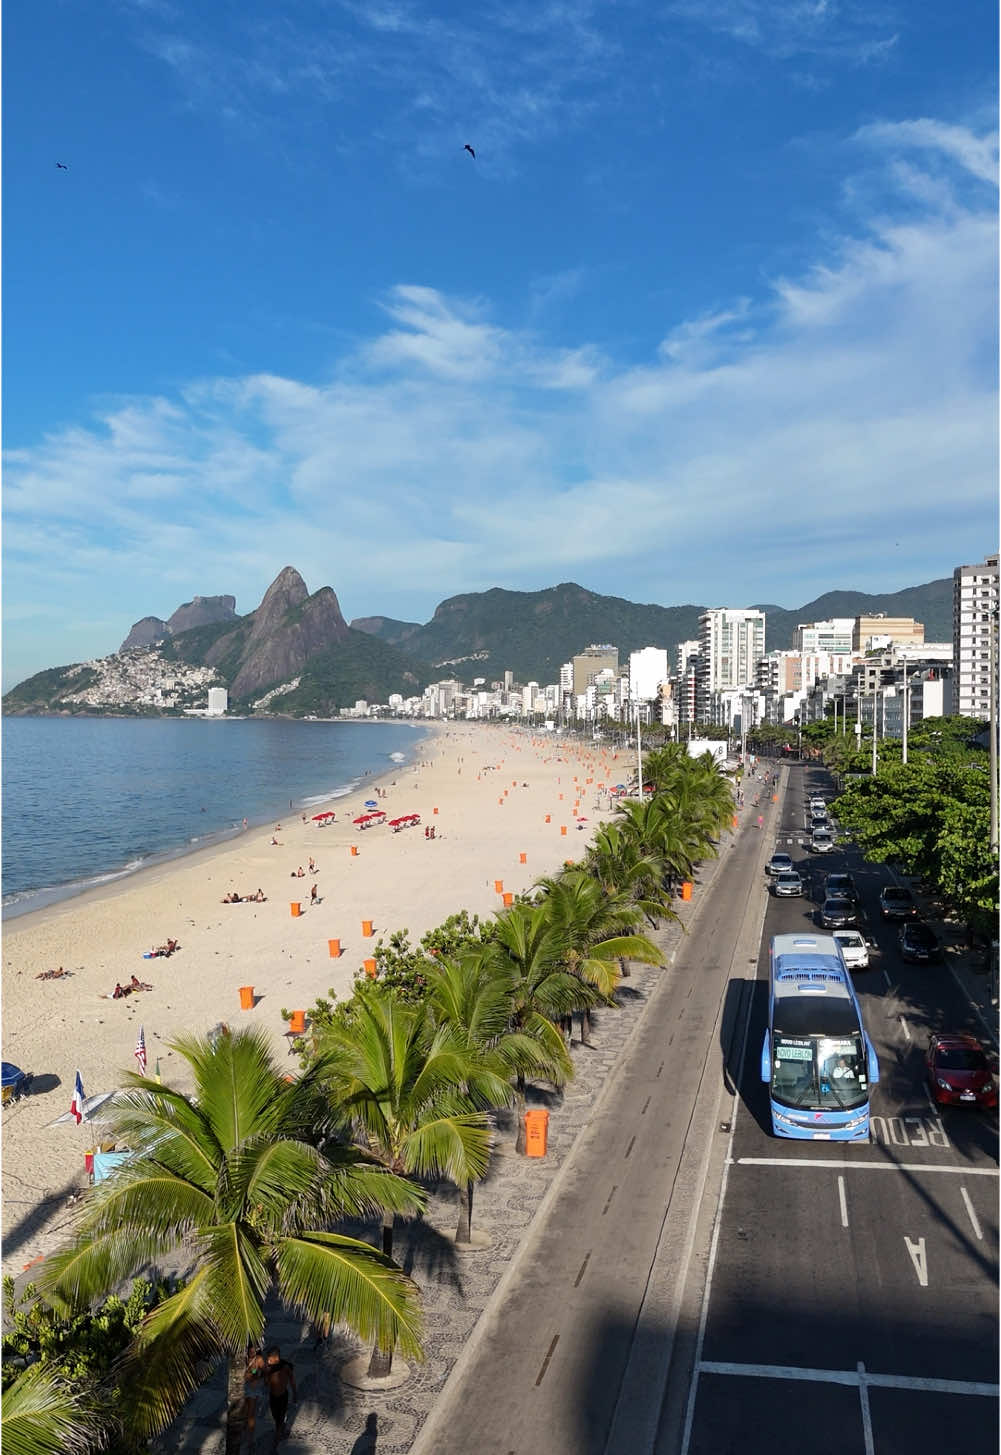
pixel 639 753
pixel 875 726
pixel 907 715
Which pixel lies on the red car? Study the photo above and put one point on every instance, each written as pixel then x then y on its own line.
pixel 959 1073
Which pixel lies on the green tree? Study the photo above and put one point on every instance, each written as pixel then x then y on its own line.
pixel 234 1175
pixel 398 1081
pixel 43 1414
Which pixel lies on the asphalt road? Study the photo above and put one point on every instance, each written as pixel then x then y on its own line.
pixel 852 1301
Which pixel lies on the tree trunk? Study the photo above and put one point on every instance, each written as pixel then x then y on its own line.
pixel 464 1228
pixel 520 1144
pixel 623 967
pixel 381 1362
pixel 236 1403
pixel 585 1027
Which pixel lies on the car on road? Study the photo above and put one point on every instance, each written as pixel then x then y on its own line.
pixel 842 884
pixel 787 885
pixel 822 841
pixel 818 805
pixel 896 902
pixel 959 1072
pixel 918 942
pixel 819 821
pixel 838 913
pixel 779 864
pixel 854 949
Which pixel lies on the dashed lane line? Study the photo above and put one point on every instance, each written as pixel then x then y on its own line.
pixel 868 1166
pixel 843 1201
pixel 917 1383
pixel 903 1027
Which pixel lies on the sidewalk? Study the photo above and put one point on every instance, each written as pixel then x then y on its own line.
pixel 455 1287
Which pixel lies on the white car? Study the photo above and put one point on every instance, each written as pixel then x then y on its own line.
pixel 822 841
pixel 854 950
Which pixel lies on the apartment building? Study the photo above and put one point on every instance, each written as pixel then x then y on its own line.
pixel 731 644
pixel 974 613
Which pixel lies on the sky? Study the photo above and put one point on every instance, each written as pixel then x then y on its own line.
pixel 710 317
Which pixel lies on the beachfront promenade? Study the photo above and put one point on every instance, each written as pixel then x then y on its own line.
pixel 538 1216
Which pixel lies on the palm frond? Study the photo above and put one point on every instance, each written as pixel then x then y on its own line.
pixel 455 1144
pixel 326 1274
pixel 43 1415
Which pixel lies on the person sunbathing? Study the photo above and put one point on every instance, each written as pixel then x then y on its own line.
pixel 138 984
pixel 52 974
pixel 120 991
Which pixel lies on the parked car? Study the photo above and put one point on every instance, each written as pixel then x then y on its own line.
pixel 822 841
pixel 842 884
pixel 779 864
pixel 959 1073
pixel 787 885
pixel 896 902
pixel 838 913
pixel 854 949
pixel 918 942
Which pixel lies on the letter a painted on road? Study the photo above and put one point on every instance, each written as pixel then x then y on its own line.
pixel 919 1259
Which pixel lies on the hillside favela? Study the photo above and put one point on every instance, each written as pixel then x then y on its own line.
pixel 500 742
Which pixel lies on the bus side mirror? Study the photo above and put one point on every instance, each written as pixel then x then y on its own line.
pixel 873 1062
pixel 766 1058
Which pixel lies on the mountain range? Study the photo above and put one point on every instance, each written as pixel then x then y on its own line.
pixel 300 642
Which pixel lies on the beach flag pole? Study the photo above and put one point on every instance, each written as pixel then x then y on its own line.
pixel 156 1071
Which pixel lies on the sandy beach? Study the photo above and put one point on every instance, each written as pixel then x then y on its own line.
pixel 486 791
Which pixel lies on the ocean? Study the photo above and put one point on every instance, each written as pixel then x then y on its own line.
pixel 86 800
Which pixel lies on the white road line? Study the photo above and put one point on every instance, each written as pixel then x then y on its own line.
pixel 971 1214
pixel 867 1166
pixel 886 977
pixel 903 1026
pixel 863 1394
pixel 852 1376
pixel 843 1201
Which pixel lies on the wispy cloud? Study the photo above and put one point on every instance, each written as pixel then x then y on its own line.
pixel 852 31
pixel 452 451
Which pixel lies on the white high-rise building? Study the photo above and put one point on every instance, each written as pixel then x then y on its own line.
pixel 218 701
pixel 647 670
pixel 834 635
pixel 731 644
pixel 974 607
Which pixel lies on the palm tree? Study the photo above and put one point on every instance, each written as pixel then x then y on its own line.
pixel 234 1176
pixel 399 1081
pixel 528 947
pixel 43 1415
pixel 620 864
pixel 472 994
pixel 594 929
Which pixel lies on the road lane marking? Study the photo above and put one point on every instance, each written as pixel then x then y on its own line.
pixel 843 1201
pixel 903 1026
pixel 545 1363
pixel 887 979
pixel 867 1166
pixel 863 1394
pixel 852 1376
pixel 645 1105
pixel 660 1068
pixel 615 1188
pixel 919 1258
pixel 971 1214
pixel 583 1266
pixel 632 1141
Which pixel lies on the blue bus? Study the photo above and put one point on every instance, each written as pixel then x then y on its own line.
pixel 817 1060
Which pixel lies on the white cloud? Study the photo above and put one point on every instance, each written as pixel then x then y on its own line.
pixel 451 452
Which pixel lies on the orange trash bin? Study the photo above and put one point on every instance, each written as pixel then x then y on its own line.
pixel 686 889
pixel 246 997
pixel 549 818
pixel 354 851
pixel 334 946
pixel 508 899
pixel 370 969
pixel 536 1131
pixel 563 830
pixel 522 858
pixel 498 886
pixel 296 908
pixel 297 1023
pixel 366 928
pixel 736 820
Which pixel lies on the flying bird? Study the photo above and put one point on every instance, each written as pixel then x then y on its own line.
pixel 62 166
pixel 468 148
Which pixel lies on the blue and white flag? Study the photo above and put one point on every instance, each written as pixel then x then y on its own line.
pixel 76 1105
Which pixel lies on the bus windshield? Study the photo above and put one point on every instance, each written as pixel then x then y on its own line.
pixel 815 1073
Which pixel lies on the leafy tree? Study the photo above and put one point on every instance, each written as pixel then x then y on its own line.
pixel 400 1083
pixel 44 1414
pixel 235 1175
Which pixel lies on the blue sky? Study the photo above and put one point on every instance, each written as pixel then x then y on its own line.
pixel 711 317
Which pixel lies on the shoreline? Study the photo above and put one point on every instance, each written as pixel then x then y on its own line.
pixel 486 789
pixel 36 901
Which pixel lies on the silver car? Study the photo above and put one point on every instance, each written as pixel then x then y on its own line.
pixel 787 885
pixel 822 841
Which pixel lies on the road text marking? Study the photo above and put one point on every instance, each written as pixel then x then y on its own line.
pixel 971 1214
pixel 919 1258
pixel 843 1201
pixel 867 1166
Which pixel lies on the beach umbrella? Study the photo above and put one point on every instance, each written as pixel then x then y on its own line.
pixel 92 1109
pixel 371 803
pixel 11 1074
pixel 318 816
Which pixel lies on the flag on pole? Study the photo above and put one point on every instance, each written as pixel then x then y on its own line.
pixel 140 1052
pixel 156 1073
pixel 76 1105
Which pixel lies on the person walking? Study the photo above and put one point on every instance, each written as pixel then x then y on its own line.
pixel 279 1375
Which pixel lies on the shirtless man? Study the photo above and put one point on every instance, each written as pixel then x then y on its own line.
pixel 278 1375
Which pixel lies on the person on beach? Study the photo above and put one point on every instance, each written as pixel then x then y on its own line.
pixel 312 894
pixel 312 866
pixel 278 1376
